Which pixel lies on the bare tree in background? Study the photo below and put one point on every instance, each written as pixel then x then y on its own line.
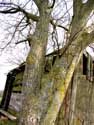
pixel 43 94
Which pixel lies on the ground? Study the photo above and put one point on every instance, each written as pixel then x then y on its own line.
pixel 5 121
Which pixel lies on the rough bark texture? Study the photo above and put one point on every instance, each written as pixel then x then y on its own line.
pixel 44 94
pixel 34 69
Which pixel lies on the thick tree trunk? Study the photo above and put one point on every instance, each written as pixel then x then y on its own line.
pixel 30 114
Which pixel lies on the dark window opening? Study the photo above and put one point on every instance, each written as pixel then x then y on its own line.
pixel 84 65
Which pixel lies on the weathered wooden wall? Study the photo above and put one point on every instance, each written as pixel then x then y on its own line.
pixel 79 105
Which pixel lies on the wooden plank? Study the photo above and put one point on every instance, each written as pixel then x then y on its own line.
pixel 11 117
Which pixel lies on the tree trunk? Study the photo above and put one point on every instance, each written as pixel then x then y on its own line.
pixel 34 70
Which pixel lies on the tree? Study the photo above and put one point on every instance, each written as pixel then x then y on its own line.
pixel 43 94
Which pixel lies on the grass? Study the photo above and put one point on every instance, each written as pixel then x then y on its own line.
pixel 7 122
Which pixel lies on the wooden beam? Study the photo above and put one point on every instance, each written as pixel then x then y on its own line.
pixel 11 117
pixel 8 90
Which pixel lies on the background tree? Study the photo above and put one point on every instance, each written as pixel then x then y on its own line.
pixel 43 94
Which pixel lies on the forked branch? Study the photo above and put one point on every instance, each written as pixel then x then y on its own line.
pixel 11 8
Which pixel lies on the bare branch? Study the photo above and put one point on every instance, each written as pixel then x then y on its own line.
pixel 52 4
pixel 62 27
pixel 57 25
pixel 37 2
pixel 89 39
pixel 9 11
pixel 88 7
pixel 15 9
pixel 29 15
pixel 89 3
pixel 77 4
pixel 21 41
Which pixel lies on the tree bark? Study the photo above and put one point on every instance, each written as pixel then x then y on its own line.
pixel 29 114
pixel 43 94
